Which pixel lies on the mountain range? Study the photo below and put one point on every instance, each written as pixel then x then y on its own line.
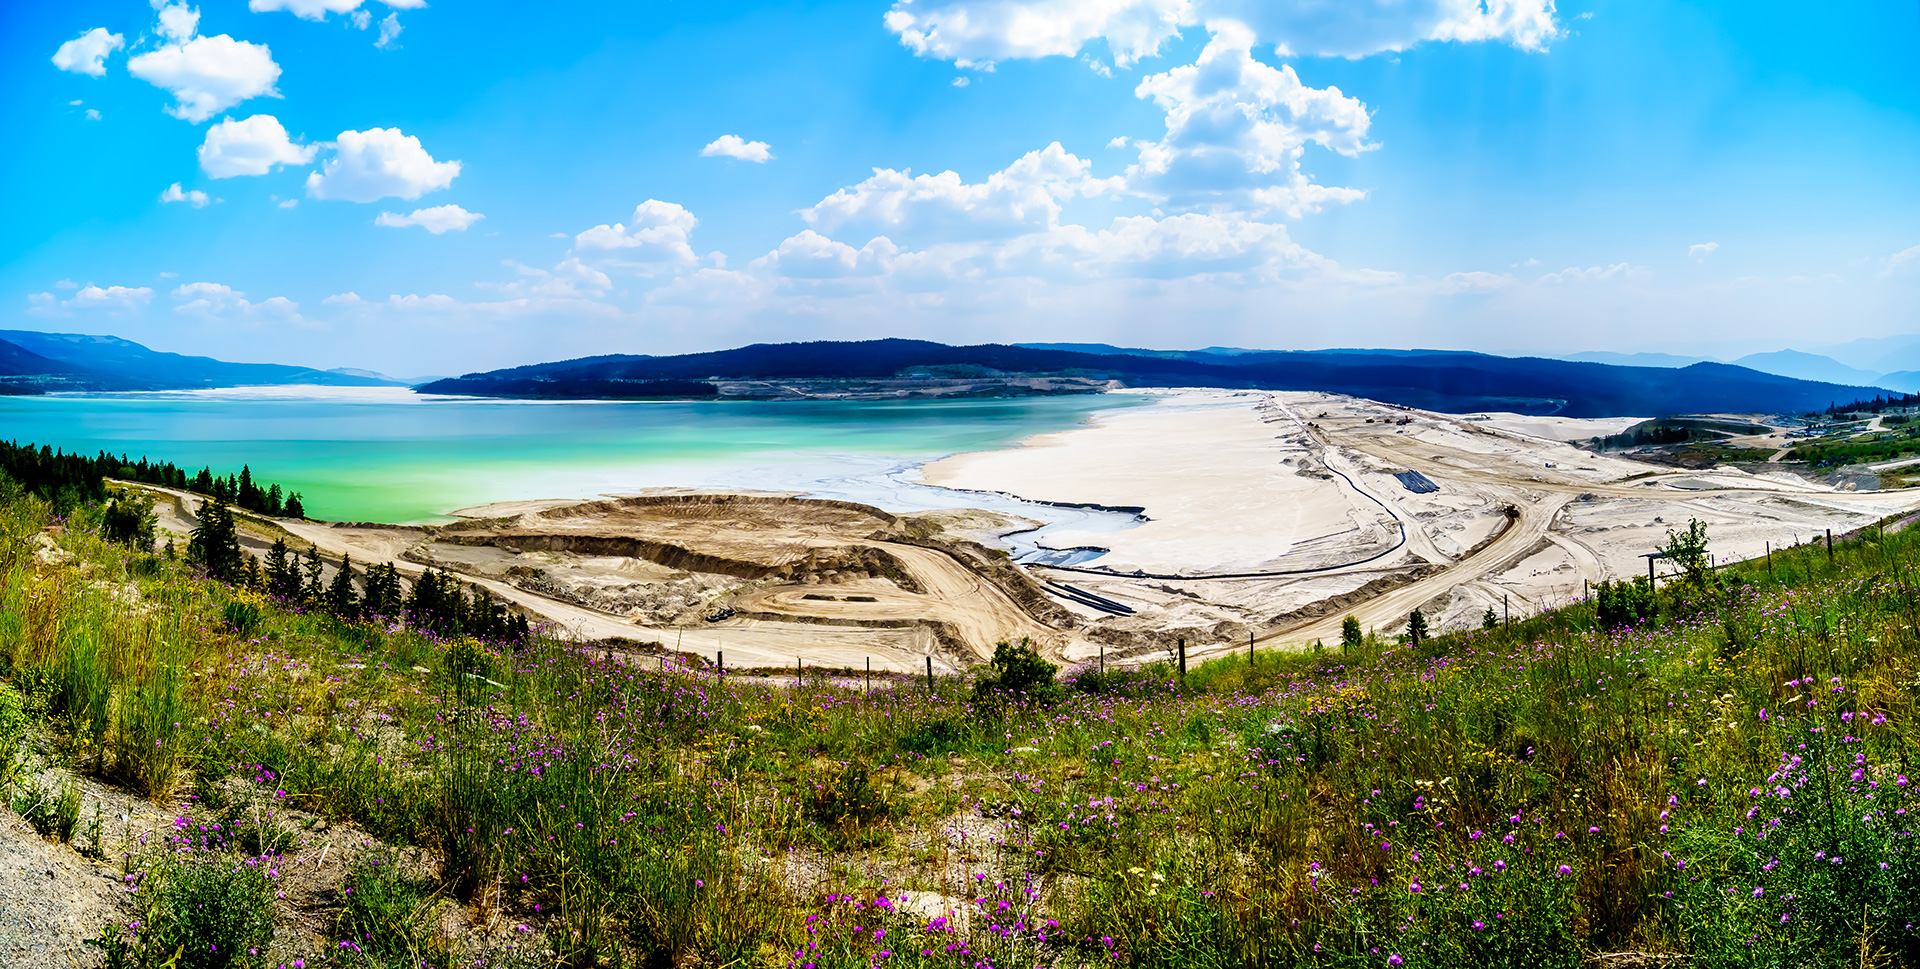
pixel 35 362
pixel 1898 358
pixel 1434 379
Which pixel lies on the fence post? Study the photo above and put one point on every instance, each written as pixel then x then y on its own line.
pixel 1183 662
pixel 720 660
pixel 869 688
pixel 1829 546
pixel 929 674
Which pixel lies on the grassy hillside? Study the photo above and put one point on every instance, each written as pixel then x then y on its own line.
pixel 1729 781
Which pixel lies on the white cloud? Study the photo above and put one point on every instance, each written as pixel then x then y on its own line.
pixel 361 19
pixel 1574 274
pixel 571 279
pixel 93 114
pixel 66 284
pixel 289 203
pixel 733 146
pixel 660 235
pixel 379 163
pixel 389 32
pixel 979 32
pixel 1024 196
pixel 1904 261
pixel 173 193
pixel 1236 129
pixel 219 301
pixel 439 219
pixel 250 147
pixel 208 75
pixel 810 255
pixel 1699 251
pixel 87 53
pixel 304 9
pixel 970 32
pixel 348 299
pixel 1454 284
pixel 179 22
pixel 962 81
pixel 90 298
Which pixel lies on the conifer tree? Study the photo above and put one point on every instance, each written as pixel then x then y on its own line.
pixel 294 508
pixel 341 600
pixel 283 576
pixel 214 545
pixel 310 587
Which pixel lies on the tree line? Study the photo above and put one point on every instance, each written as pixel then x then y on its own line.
pixel 436 602
pixel 69 480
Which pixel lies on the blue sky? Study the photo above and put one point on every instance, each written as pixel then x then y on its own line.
pixel 277 180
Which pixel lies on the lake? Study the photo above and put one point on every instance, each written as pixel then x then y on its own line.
pixel 386 454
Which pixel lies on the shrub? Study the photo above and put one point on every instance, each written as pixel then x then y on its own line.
pixel 387 920
pixel 13 730
pixel 847 804
pixel 203 906
pixel 1018 669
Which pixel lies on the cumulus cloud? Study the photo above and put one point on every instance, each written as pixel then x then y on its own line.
pixel 733 146
pixel 196 198
pixel 970 32
pixel 207 75
pixel 1454 284
pixel 1024 196
pixel 179 22
pixel 571 279
pixel 438 219
pixel 117 299
pixel 1592 274
pixel 1699 251
pixel 87 53
pixel 659 234
pixel 389 32
pixel 219 301
pixel 1236 129
pixel 252 146
pixel 318 9
pixel 1904 261
pixel 379 163
pixel 810 255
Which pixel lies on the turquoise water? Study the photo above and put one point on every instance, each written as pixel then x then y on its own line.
pixel 388 455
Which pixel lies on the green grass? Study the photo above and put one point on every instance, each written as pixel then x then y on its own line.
pixel 1522 796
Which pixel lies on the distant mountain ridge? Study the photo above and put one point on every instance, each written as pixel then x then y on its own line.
pixel 146 369
pixel 1439 380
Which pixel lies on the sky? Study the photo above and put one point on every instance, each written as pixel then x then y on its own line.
pixel 440 186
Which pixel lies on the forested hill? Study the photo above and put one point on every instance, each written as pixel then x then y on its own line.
pixel 1438 380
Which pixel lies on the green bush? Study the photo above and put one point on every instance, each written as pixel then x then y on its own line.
pixel 13 730
pixel 387 920
pixel 1017 669
pixel 204 908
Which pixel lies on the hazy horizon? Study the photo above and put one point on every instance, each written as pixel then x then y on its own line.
pixel 410 188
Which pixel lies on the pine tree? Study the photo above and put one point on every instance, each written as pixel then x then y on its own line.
pixel 1416 627
pixel 215 545
pixel 1351 637
pixel 1489 619
pixel 276 503
pixel 310 588
pixel 283 577
pixel 341 600
pixel 294 508
pixel 246 494
pixel 254 579
pixel 203 482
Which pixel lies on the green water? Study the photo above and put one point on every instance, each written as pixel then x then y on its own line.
pixel 388 455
